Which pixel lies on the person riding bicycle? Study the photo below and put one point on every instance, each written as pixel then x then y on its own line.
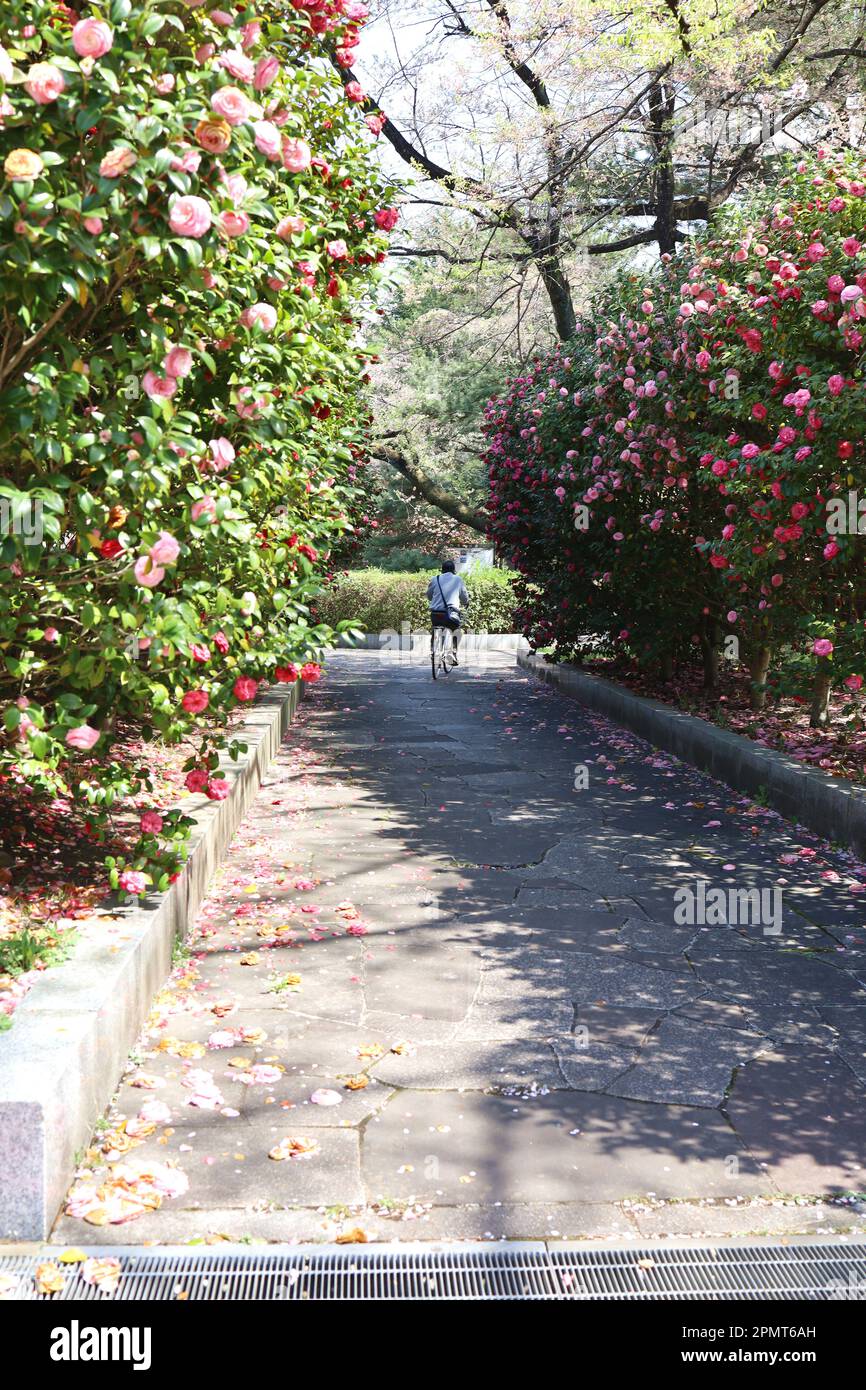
pixel 445 594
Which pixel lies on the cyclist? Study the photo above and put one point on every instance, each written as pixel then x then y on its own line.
pixel 445 594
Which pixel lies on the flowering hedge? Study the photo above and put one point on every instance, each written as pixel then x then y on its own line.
pixel 373 600
pixel 684 473
pixel 189 212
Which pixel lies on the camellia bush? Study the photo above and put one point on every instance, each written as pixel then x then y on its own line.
pixel 190 211
pixel 684 475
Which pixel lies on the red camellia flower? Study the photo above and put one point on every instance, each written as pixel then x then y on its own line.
pixel 217 789
pixel 245 688
pixel 386 219
pixel 195 701
pixel 311 671
pixel 287 674
pixel 110 549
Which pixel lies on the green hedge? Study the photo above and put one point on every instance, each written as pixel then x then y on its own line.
pixel 377 599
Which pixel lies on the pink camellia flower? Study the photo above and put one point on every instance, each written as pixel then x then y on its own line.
pixel 93 225
pixel 164 550
pixel 835 384
pixel 91 38
pixel 297 155
pixel 290 226
pixel 248 405
pixel 217 789
pixel 386 220
pixel 82 738
pixel 702 360
pixel 205 51
pixel 234 223
pixel 831 550
pixel 822 647
pixel 199 652
pixel 206 508
pixel 158 387
pixel 187 163
pixel 221 642
pixel 165 83
pixel 355 92
pixel 251 33
pixel 238 64
pixel 337 250
pixel 311 671
pixel 375 122
pixel 195 701
pixel 268 139
pixel 231 104
pixel 222 453
pixel 44 83
pixel 133 882
pixel 262 315
pixel 177 362
pixel 147 573
pixel 835 284
pixel 197 780
pixel 267 69
pixel 851 246
pixel 51 634
pixel 222 18
pixel 236 187
pixel 190 216
pixel 245 688
pixel 117 162
pixel 151 823
pixel 854 682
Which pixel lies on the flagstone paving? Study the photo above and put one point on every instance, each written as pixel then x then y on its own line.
pixel 460 982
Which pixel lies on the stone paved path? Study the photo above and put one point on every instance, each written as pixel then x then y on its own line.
pixel 489 957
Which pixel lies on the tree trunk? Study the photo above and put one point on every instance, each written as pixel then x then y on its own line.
pixel 556 284
pixel 758 669
pixel 710 653
pixel 820 713
pixel 711 663
pixel 430 490
pixel 667 666
pixel 661 109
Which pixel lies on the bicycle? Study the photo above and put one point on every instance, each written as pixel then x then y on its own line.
pixel 443 657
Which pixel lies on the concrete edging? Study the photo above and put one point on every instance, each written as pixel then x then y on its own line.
pixel 61 1060
pixel 827 805
pixel 390 640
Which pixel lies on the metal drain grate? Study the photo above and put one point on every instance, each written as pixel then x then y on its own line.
pixel 475 1272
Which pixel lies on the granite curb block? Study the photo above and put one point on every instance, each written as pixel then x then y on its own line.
pixel 828 805
pixel 61 1060
pixel 389 640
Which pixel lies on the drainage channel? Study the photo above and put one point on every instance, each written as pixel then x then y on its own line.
pixel 440 1273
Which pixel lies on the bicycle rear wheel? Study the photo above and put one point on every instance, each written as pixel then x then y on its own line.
pixel 436 635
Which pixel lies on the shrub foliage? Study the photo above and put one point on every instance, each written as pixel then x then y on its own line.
pixel 684 475
pixel 189 212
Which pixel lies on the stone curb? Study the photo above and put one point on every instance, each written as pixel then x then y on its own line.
pixel 389 640
pixel 72 1032
pixel 830 806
